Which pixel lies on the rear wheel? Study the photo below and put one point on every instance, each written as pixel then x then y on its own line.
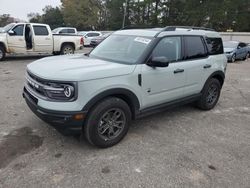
pixel 233 58
pixel 67 49
pixel 108 122
pixel 2 53
pixel 210 95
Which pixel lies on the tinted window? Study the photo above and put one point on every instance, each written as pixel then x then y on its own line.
pixel 242 45
pixel 71 31
pixel 215 46
pixel 18 30
pixel 194 47
pixel 64 31
pixel 169 47
pixel 40 30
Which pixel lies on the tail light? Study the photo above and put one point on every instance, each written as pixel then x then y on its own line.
pixel 81 41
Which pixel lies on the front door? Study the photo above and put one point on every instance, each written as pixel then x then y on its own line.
pixel 16 40
pixel 164 84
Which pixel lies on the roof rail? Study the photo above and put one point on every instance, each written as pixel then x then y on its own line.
pixel 173 28
pixel 137 27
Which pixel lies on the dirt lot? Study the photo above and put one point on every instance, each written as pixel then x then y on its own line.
pixel 182 147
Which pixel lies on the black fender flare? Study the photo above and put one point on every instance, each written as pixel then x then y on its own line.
pixel 125 94
pixel 220 75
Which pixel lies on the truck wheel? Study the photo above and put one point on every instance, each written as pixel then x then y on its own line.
pixel 67 49
pixel 2 53
pixel 108 122
pixel 210 95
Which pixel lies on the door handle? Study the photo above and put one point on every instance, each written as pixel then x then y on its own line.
pixel 47 38
pixel 178 71
pixel 20 39
pixel 207 66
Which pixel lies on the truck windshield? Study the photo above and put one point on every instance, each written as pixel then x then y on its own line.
pixel 7 28
pixel 121 49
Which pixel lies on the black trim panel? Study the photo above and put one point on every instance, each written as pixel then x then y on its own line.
pixel 165 106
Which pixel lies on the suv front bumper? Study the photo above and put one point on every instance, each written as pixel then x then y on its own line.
pixel 67 123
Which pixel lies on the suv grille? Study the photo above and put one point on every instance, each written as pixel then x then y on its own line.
pixel 36 84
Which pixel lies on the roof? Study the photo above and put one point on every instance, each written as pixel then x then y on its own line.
pixel 161 32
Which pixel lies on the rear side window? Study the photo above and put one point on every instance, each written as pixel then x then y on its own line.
pixel 194 47
pixel 63 31
pixel 40 30
pixel 71 31
pixel 215 46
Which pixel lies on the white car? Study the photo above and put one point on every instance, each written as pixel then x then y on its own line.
pixel 35 38
pixel 65 30
pixel 89 35
pixel 130 74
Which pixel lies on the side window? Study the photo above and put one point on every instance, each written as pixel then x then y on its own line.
pixel 242 45
pixel 40 30
pixel 169 47
pixel 63 31
pixel 215 46
pixel 72 31
pixel 95 34
pixel 18 30
pixel 194 47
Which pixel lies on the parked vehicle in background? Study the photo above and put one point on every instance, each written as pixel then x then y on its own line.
pixel 89 35
pixel 34 38
pixel 235 50
pixel 130 74
pixel 97 40
pixel 65 30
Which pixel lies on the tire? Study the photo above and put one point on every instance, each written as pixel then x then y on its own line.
pixel 247 56
pixel 108 122
pixel 233 59
pixel 67 49
pixel 2 53
pixel 210 94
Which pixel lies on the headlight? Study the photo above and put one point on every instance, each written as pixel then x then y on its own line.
pixel 59 91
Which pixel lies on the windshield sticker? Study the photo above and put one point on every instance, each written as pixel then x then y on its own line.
pixel 142 40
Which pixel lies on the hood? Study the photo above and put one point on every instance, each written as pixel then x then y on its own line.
pixel 228 49
pixel 77 68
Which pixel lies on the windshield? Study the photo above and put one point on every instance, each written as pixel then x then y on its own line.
pixel 7 28
pixel 121 48
pixel 55 30
pixel 230 44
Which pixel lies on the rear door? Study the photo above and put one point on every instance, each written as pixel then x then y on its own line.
pixel 200 64
pixel 16 41
pixel 42 39
pixel 164 84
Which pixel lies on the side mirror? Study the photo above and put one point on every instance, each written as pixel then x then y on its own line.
pixel 158 62
pixel 238 47
pixel 11 33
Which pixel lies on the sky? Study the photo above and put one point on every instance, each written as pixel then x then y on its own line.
pixel 20 8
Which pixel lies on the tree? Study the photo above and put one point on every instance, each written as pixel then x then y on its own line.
pixel 82 14
pixel 4 19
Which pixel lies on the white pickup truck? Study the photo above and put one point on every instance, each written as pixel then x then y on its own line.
pixel 34 38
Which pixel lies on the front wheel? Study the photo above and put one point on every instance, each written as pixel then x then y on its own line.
pixel 108 122
pixel 2 53
pixel 67 50
pixel 210 95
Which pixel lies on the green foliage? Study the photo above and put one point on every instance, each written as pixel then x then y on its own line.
pixel 4 19
pixel 109 14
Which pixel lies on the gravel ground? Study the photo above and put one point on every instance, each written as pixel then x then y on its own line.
pixel 181 147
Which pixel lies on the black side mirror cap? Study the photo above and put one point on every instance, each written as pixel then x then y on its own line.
pixel 158 62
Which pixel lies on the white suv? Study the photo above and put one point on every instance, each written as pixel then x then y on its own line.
pixel 130 74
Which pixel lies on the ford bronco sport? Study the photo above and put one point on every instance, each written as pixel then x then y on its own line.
pixel 130 74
